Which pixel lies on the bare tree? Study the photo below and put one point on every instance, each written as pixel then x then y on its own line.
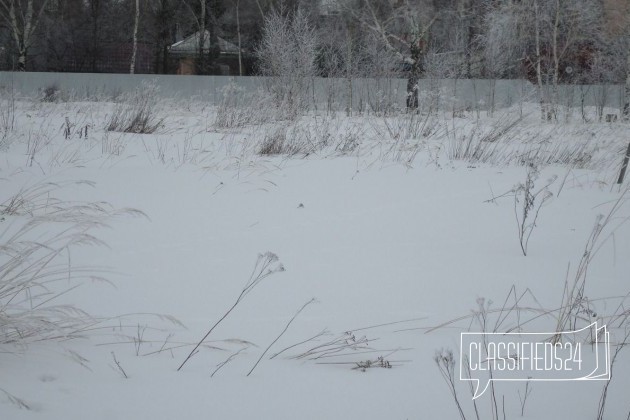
pixel 403 28
pixel 237 4
pixel 561 29
pixel 287 53
pixel 201 33
pixel 163 20
pixel 610 61
pixel 625 13
pixel 240 45
pixel 95 13
pixel 205 14
pixel 456 31
pixel 626 104
pixel 538 62
pixel 22 18
pixel 501 42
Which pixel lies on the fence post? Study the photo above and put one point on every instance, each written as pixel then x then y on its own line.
pixel 624 166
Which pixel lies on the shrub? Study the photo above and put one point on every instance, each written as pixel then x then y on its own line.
pixel 239 108
pixel 527 204
pixel 51 93
pixel 296 139
pixel 287 53
pixel 138 113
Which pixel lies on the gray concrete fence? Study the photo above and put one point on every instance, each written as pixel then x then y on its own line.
pixel 363 95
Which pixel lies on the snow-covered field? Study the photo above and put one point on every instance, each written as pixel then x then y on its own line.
pixel 393 224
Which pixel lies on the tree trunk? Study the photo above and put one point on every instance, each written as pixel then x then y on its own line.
pixel 214 50
pixel 163 24
pixel 556 60
pixel 165 66
pixel 201 59
pixel 465 19
pixel 132 66
pixel 21 65
pixel 541 93
pixel 22 34
pixel 238 33
pixel 626 102
pixel 349 70
pixel 414 74
pixel 26 35
pixel 18 36
pixel 94 15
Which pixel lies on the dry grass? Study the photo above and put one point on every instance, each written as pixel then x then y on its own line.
pixel 301 138
pixel 138 113
pixel 36 266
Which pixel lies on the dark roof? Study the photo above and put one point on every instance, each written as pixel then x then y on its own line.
pixel 190 45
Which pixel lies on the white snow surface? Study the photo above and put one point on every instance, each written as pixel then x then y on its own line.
pixel 388 247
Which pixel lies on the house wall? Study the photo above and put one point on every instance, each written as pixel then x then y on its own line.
pixel 617 16
pixel 186 66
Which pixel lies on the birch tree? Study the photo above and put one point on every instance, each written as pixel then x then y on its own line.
pixel 403 28
pixel 543 36
pixel 626 104
pixel 237 7
pixel 240 41
pixel 22 18
pixel 626 22
pixel 134 50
